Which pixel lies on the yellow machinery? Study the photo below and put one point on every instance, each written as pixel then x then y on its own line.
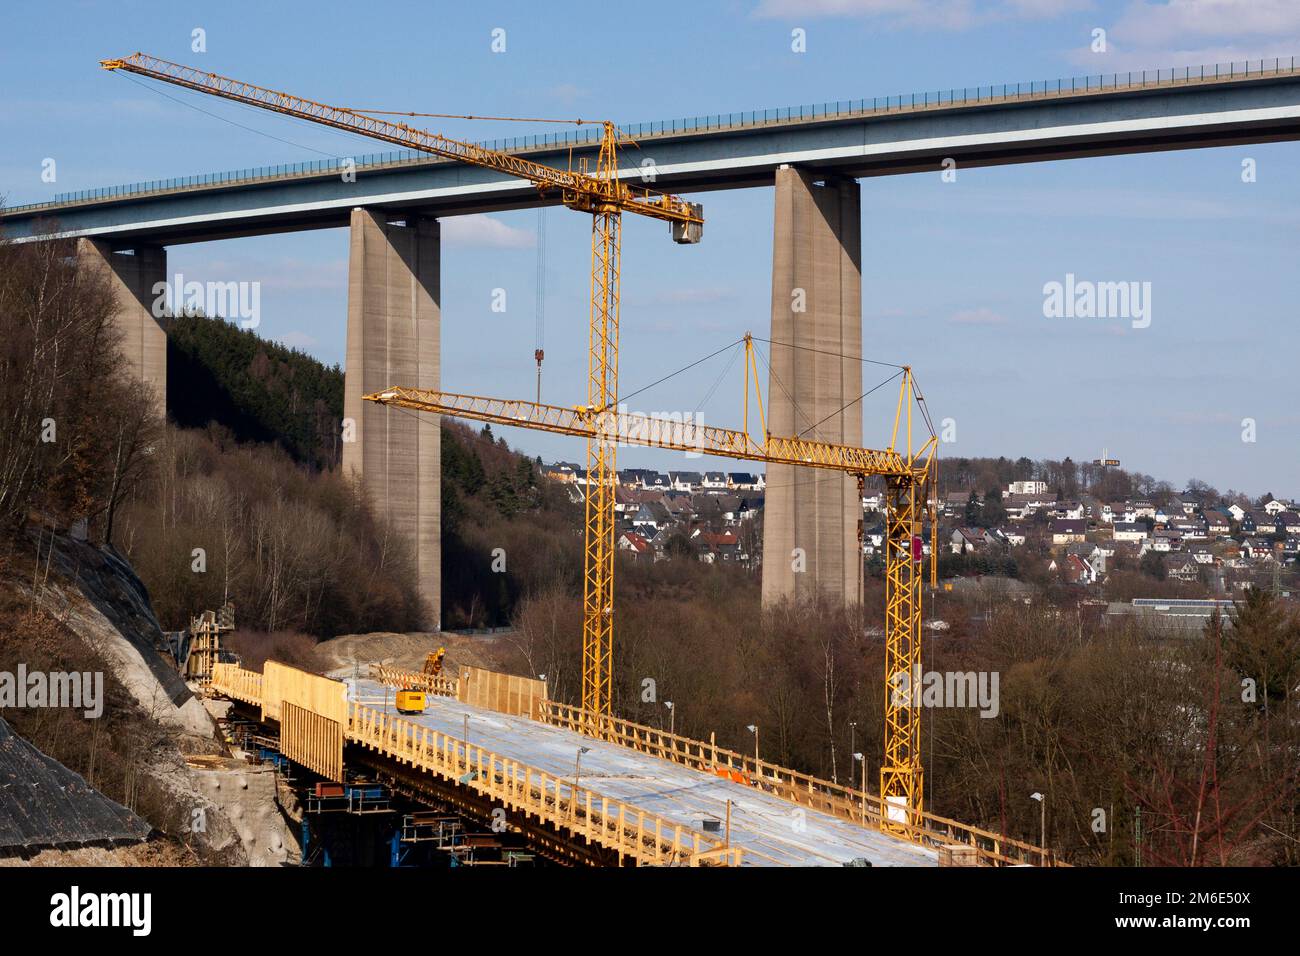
pixel 433 663
pixel 605 196
pixel 410 701
pixel 602 194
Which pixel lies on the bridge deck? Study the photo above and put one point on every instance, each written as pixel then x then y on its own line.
pixel 771 831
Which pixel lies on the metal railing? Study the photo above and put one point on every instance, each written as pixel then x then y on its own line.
pixel 1090 84
pixel 846 803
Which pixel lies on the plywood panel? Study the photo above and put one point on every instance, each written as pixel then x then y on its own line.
pixel 281 683
pixel 314 741
pixel 507 693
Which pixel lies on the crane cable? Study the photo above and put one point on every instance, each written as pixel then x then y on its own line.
pixel 539 299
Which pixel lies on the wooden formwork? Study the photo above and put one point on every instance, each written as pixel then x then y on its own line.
pixel 517 696
pixel 414 680
pixel 306 706
pixel 847 803
pixel 235 682
pixel 637 835
pixel 314 741
pixel 312 712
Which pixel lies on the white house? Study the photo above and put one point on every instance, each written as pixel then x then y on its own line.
pixel 1027 488
pixel 1130 531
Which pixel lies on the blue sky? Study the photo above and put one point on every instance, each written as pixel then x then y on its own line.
pixel 952 272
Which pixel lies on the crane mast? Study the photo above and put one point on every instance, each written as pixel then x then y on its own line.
pixel 606 197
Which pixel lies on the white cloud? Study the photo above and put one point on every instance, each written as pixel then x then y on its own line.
pixel 1174 21
pixel 980 316
pixel 1152 34
pixel 484 231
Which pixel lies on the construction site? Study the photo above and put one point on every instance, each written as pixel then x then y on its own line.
pixel 389 750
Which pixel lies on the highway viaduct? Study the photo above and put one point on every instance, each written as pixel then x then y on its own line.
pixel 813 155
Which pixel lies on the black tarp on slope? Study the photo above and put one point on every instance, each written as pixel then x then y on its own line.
pixel 43 803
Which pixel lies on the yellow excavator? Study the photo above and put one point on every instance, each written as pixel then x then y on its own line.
pixel 412 701
pixel 433 663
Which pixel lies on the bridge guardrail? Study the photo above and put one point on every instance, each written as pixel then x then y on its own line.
pixel 637 834
pixel 1090 84
pixel 644 837
pixel 841 801
pixel 415 680
pixel 234 681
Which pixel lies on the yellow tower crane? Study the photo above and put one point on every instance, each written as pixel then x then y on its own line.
pixel 602 194
pixel 906 469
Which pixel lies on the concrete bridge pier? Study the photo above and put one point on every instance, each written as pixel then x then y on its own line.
pixel 394 324
pixel 810 523
pixel 133 275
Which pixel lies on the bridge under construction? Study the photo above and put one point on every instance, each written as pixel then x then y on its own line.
pixel 495 749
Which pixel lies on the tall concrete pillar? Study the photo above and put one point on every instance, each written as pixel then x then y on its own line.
pixel 810 518
pixel 132 274
pixel 394 323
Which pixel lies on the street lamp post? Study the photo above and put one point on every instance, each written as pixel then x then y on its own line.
pixel 1042 822
pixel 577 776
pixel 862 760
pixel 753 729
pixel 672 717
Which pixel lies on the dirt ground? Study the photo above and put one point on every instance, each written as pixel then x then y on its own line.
pixel 156 852
pixel 408 651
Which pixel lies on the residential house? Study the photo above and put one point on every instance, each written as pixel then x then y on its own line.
pixel 1078 571
pixel 1130 531
pixel 636 544
pixel 1014 537
pixel 1216 524
pixel 1275 507
pixel 684 480
pixel 650 516
pixel 714 481
pixel 742 481
pixel 1189 528
pixel 1201 554
pixel 656 481
pixel 967 540
pixel 1066 530
pixel 1237 512
pixel 1181 567
pixel 1259 522
pixel 1288 522
pixel 717 545
pixel 1027 488
pixel 1257 549
pixel 562 471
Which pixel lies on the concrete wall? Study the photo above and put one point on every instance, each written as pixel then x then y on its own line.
pixel 817 318
pixel 394 323
pixel 132 276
